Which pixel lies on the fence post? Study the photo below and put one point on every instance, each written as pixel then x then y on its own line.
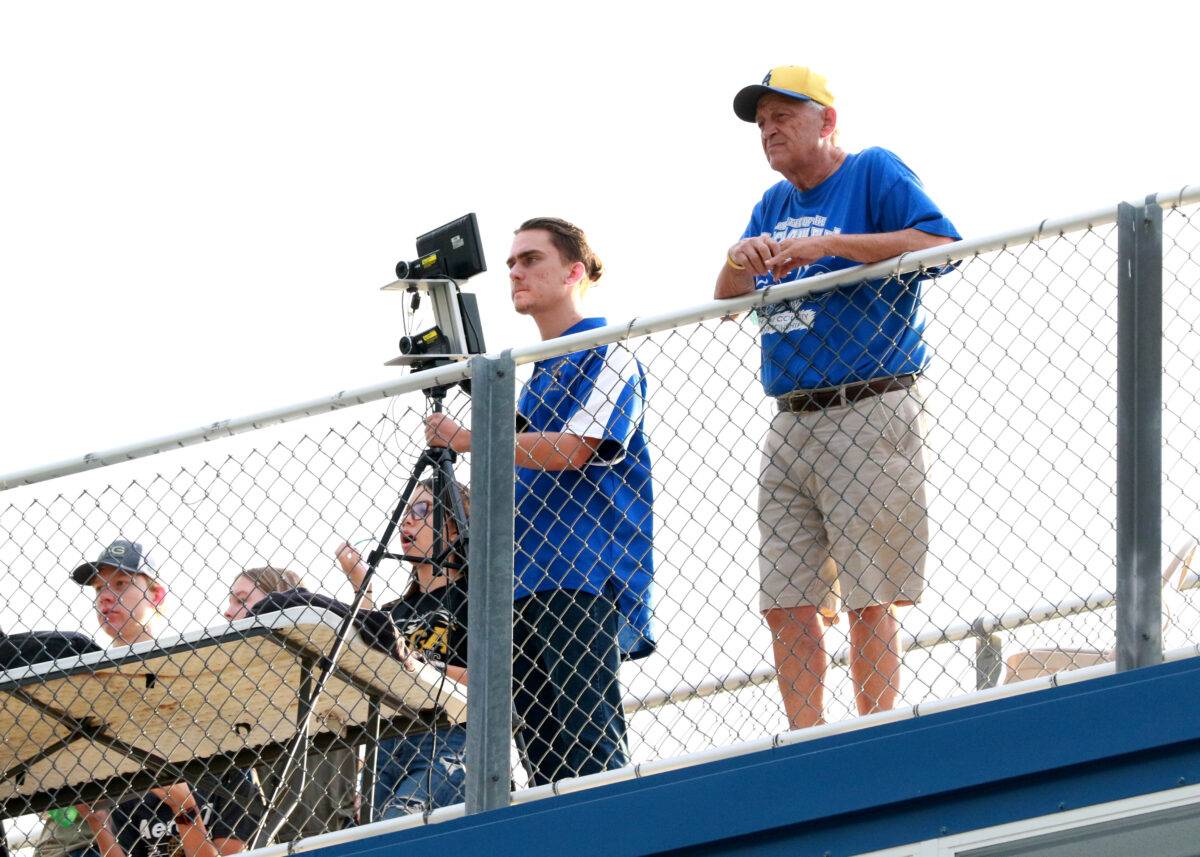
pixel 1139 435
pixel 988 662
pixel 490 558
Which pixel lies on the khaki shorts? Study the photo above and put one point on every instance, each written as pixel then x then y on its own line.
pixel 842 512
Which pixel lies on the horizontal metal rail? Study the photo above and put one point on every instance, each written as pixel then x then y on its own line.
pixel 988 623
pixel 637 771
pixel 906 263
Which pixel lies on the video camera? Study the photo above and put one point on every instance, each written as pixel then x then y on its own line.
pixel 445 256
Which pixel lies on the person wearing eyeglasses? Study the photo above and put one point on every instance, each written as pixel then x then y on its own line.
pixel 423 771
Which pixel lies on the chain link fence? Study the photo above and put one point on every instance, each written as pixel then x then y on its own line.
pixel 182 696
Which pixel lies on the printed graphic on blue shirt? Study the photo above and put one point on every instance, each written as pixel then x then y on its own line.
pixel 857 332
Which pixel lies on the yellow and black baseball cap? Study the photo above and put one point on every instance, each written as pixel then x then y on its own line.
pixel 794 81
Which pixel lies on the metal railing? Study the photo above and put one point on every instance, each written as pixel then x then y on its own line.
pixel 1022 398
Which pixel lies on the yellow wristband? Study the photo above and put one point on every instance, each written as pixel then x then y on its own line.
pixel 733 264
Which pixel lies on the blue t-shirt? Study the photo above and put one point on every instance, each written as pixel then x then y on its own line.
pixel 590 529
pixel 855 333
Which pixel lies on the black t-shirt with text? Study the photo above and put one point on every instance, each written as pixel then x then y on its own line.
pixel 230 808
pixel 434 624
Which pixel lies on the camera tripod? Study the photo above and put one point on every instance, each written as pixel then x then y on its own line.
pixel 447 554
pixel 446 499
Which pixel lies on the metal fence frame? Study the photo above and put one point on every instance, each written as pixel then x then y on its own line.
pixel 1139 457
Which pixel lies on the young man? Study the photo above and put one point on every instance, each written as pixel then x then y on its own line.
pixel 842 484
pixel 584 524
pixel 215 818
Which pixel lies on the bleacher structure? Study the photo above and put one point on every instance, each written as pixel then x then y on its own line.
pixel 1049 677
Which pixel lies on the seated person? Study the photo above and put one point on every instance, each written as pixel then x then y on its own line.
pixel 65 834
pixel 327 800
pixel 423 771
pixel 218 815
pixel 34 647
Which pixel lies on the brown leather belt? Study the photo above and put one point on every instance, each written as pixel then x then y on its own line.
pixel 803 401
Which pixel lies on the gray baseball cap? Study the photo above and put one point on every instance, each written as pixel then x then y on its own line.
pixel 122 554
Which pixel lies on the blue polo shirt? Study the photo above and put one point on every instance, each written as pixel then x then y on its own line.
pixel 855 333
pixel 591 529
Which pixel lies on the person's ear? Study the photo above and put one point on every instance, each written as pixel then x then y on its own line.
pixel 830 122
pixel 576 273
pixel 158 594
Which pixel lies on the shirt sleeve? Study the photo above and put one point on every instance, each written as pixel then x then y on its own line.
pixel 236 805
pixel 611 407
pixel 903 202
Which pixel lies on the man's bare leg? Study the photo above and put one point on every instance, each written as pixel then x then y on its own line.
pixel 875 658
pixel 797 640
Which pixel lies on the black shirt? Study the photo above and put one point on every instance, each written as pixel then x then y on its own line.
pixel 230 808
pixel 433 624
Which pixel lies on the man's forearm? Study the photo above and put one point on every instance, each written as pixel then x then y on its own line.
pixel 106 842
pixel 554 450
pixel 195 841
pixel 875 247
pixel 732 283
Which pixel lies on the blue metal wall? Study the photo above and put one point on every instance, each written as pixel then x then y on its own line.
pixel 1012 759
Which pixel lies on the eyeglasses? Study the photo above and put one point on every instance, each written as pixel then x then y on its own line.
pixel 419 510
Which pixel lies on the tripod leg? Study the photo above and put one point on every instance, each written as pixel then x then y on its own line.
pixel 425 461
pixel 458 513
pixel 301 739
pixel 447 498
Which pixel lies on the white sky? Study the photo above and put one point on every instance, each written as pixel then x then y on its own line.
pixel 199 202
pixel 198 205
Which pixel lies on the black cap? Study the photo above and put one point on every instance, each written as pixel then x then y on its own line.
pixel 122 554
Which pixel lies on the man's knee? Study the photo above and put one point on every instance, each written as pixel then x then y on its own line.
pixel 872 614
pixel 800 625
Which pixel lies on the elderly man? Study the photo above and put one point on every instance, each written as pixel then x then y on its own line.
pixel 841 499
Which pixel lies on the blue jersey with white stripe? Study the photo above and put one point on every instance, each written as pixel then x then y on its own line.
pixel 590 529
